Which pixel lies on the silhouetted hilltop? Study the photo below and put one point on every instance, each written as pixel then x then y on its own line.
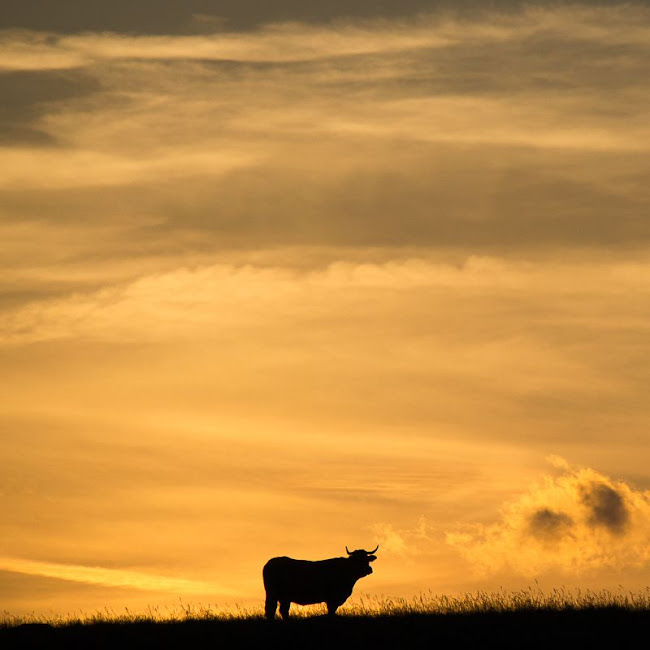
pixel 588 628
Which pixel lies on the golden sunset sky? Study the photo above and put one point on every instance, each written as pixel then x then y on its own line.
pixel 282 277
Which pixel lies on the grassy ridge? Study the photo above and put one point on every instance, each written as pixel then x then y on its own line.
pixel 522 620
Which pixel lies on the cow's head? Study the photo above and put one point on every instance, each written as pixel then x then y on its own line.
pixel 362 560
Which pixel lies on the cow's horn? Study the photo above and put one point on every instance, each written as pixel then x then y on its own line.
pixel 346 548
pixel 371 552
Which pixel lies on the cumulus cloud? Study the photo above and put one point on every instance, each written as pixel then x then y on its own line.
pixel 606 507
pixel 548 524
pixel 577 521
pixel 404 542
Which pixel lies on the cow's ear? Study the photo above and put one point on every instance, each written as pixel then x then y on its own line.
pixel 372 558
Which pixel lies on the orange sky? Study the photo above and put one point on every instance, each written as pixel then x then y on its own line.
pixel 278 283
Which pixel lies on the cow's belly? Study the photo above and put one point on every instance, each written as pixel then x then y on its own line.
pixel 309 597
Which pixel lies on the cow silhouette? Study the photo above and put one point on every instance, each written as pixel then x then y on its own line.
pixel 305 582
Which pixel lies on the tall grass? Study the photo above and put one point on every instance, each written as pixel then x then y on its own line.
pixel 152 614
pixel 530 599
pixel 427 603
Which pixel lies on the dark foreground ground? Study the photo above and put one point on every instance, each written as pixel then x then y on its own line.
pixel 611 628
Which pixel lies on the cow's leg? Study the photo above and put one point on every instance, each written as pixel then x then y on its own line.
pixel 331 608
pixel 270 606
pixel 284 609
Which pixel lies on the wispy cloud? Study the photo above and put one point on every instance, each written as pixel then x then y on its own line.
pixel 521 130
pixel 279 43
pixel 215 299
pixel 111 577
pixel 295 41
